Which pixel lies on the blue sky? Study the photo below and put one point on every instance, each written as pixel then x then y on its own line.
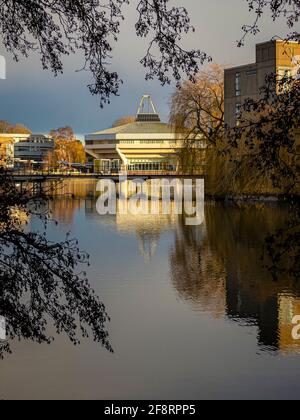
pixel 39 100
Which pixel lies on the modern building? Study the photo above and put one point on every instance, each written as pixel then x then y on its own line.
pixel 7 142
pixel 33 148
pixel 274 57
pixel 145 145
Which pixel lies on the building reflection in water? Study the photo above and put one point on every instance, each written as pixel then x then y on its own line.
pixel 69 196
pixel 217 267
pixel 197 273
pixel 223 273
pixel 146 228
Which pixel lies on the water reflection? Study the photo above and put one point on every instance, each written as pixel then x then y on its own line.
pixel 146 228
pixel 68 198
pixel 43 287
pixel 197 273
pixel 217 267
pixel 222 272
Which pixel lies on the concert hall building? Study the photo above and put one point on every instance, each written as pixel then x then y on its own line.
pixel 142 146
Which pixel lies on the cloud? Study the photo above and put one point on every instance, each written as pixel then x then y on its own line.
pixel 34 97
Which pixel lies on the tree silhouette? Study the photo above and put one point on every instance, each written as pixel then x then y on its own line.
pixel 272 134
pixel 41 282
pixel 38 278
pixel 264 148
pixel 58 28
pixel 269 134
pixel 286 9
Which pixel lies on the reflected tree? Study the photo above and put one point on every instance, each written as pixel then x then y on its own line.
pixel 197 272
pixel 266 141
pixel 217 269
pixel 41 282
pixel 261 154
pixel 272 138
pixel 38 280
pixel 283 247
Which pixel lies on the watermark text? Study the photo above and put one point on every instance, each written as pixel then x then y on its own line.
pixel 2 67
pixel 153 197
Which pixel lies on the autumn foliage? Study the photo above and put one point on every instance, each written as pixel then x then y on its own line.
pixel 124 120
pixel 67 148
pixel 8 128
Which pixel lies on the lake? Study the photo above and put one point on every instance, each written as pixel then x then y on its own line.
pixel 194 312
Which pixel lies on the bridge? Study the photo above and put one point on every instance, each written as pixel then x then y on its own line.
pixel 41 177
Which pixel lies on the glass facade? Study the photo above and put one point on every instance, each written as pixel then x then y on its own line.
pixel 107 166
pixel 151 166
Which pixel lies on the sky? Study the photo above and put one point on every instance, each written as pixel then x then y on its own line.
pixel 37 99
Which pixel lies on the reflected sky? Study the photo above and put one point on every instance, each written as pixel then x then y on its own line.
pixel 194 312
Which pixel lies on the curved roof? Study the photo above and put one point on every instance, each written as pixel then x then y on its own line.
pixel 139 128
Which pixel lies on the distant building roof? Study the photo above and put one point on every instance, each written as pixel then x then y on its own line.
pixel 14 135
pixel 139 128
pixel 147 111
pixel 147 122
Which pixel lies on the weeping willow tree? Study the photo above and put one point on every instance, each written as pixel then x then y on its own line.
pixel 197 114
pixel 258 156
pixel 261 155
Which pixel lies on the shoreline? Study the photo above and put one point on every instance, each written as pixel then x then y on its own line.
pixel 255 198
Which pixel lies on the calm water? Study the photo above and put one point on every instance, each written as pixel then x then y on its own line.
pixel 193 312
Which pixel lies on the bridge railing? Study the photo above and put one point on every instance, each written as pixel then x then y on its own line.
pixel 66 172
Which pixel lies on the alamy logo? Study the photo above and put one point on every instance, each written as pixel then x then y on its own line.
pixel 2 328
pixel 153 197
pixel 2 67
pixel 296 329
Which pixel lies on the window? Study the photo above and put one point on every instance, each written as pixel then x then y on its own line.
pixel 238 84
pixel 151 141
pixel 251 73
pixel 238 113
